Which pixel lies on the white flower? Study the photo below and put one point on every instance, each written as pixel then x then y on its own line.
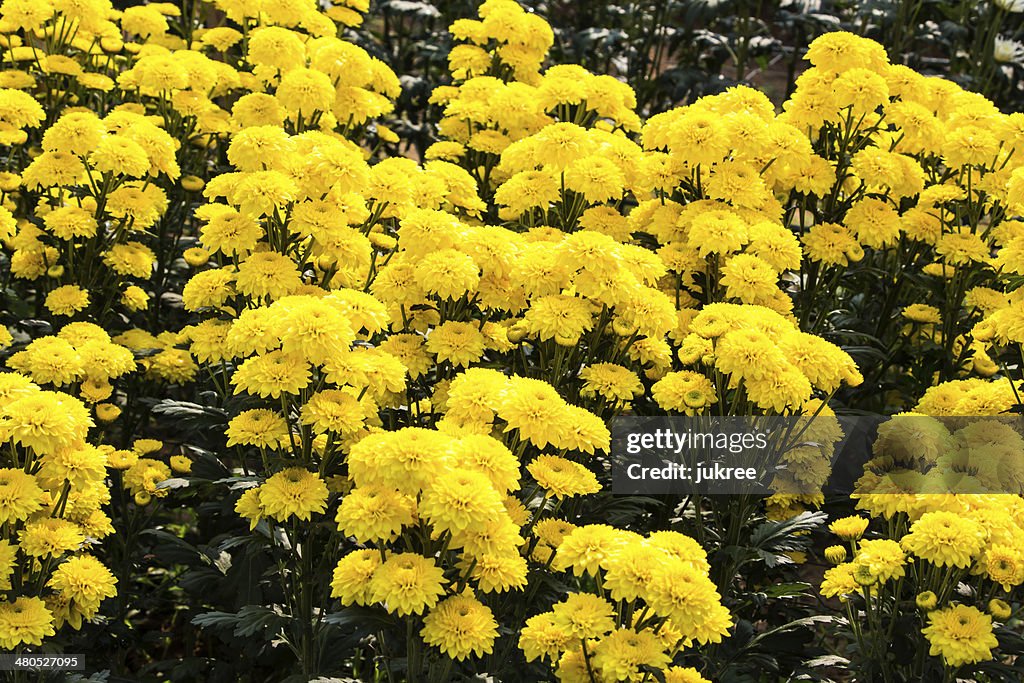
pixel 1007 51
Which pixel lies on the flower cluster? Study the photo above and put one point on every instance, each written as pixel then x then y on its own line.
pixel 52 494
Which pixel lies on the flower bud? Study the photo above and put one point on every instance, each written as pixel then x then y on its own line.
pixel 836 554
pixel 999 610
pixel 192 183
pixel 196 257
pixel 926 601
pixel 107 412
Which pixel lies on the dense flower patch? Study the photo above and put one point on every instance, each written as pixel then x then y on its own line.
pixel 345 413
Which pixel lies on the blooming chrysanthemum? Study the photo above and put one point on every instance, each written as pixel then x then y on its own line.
pixel 460 626
pixel 293 491
pixel 351 578
pixel 50 537
pixel 960 634
pixel 562 478
pixel 586 548
pixel 46 420
pixel 374 513
pixel 535 409
pixel 20 496
pixel 584 615
pixel 333 410
pixel 945 539
pixel 458 343
pixel 267 274
pixel 407 583
pixel 460 499
pixel 85 580
pixel 25 621
pixel 620 654
pixel 542 638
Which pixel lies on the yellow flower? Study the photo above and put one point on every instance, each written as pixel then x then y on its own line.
pixel 20 496
pixel 131 258
pixel 196 256
pixel 303 92
pixel 631 569
pixel 120 155
pixel 180 464
pixel 542 638
pixel 459 500
pixel 620 654
pixel 50 537
pixel 79 464
pixel 717 231
pixel 849 528
pixel 862 90
pixel 562 478
pixel 489 456
pixel 67 300
pixel 276 47
pixel 249 506
pixel 1004 564
pixel 293 491
pixel 458 343
pixel 596 178
pixel 267 274
pixel 460 626
pixel 313 329
pixel 144 477
pixel 831 244
pixel 535 409
pixel 960 634
pixel 24 621
pixel 447 273
pixel 689 598
pixel 332 410
pixel 583 615
pixel 121 459
pixel 134 298
pixel 836 554
pixel 587 548
pixel 945 539
pixel 408 459
pixel 271 375
pixel 838 582
pixel 876 223
pixel 107 412
pixel 49 360
pixel 496 573
pixel 68 222
pixel 228 231
pixel 46 421
pixel 407 583
pixel 749 279
pixel 999 609
pixel 374 513
pixel 840 50
pixel 698 138
pixel 559 317
pixel 85 580
pixel 926 601
pixel 611 382
pixel 687 674
pixel 881 559
pixel 352 576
